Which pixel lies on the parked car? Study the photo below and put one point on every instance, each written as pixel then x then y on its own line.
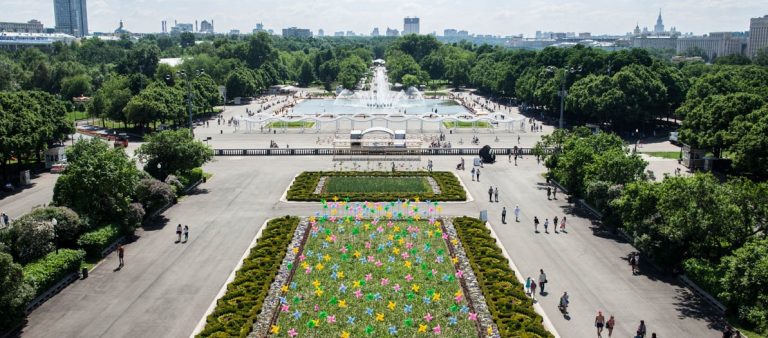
pixel 673 137
pixel 58 167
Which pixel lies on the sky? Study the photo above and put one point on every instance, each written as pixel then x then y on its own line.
pixel 498 17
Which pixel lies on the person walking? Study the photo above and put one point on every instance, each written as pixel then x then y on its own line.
pixel 562 224
pixel 120 255
pixel 610 324
pixel 178 233
pixel 599 323
pixel 496 194
pixel 549 193
pixel 546 225
pixel 473 173
pixel 517 213
pixel 641 329
pixel 533 290
pixel 490 194
pixel 554 193
pixel 478 173
pixel 554 224
pixel 542 281
pixel 535 224
pixel 504 215
pixel 528 283
pixel 186 233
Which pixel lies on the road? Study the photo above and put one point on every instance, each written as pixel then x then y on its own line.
pixel 165 288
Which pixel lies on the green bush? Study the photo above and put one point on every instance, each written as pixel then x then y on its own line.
pixel 236 311
pixel 14 294
pixel 304 185
pixel 511 309
pixel 94 242
pixel 50 269
pixel 68 226
pixel 28 239
pixel 154 194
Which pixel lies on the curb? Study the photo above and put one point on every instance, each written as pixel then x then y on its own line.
pixel 536 306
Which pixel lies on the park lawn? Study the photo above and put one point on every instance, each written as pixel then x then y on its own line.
pixel 673 155
pixel 76 115
pixel 465 124
pixel 369 279
pixel 291 124
pixel 347 184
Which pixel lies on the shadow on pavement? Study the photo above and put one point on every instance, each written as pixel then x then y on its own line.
pixel 692 306
pixel 157 223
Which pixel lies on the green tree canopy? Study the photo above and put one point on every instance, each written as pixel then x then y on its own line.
pixel 177 152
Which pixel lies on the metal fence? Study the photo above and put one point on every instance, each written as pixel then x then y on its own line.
pixel 363 152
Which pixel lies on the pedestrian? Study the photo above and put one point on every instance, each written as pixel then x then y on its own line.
pixel 542 281
pixel 546 225
pixel 518 139
pixel 636 265
pixel 599 323
pixel 473 173
pixel 2 219
pixel 610 324
pixel 549 192
pixel 186 233
pixel 554 224
pixel 528 283
pixel 120 255
pixel 496 194
pixel 510 157
pixel 641 329
pixel 562 224
pixel 478 172
pixel 533 290
pixel 178 233
pixel 6 220
pixel 535 224
pixel 504 215
pixel 554 192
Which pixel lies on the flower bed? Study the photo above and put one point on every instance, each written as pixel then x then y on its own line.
pixel 373 279
pixel 346 184
pixel 305 184
pixel 236 311
pixel 511 309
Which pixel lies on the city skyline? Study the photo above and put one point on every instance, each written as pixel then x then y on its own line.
pixel 486 17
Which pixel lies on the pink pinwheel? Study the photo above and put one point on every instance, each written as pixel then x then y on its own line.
pixel 405 255
pixel 458 298
pixel 302 258
pixel 358 293
pixel 472 316
pixel 459 273
pixel 384 281
pixel 396 287
pixel 292 332
pixel 408 245
pixel 343 249
pixel 368 277
pixel 408 277
pixel 284 308
pixel 371 258
pixel 428 317
pixel 367 245
pixel 437 329
pixel 331 319
pixel 378 264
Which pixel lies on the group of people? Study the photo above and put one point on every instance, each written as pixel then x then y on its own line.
pixel 546 224
pixel 180 231
pixel 5 220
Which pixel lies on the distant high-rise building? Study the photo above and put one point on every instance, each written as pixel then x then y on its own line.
pixel 206 27
pixel 320 32
pixel 294 32
pixel 71 17
pixel 351 33
pixel 462 33
pixel 392 32
pixel 659 27
pixel 338 34
pixel 375 31
pixel 179 28
pixel 410 26
pixel 449 32
pixel 758 35
pixel 32 26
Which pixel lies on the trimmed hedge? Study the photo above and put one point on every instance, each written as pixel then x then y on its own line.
pixel 236 311
pixel 304 185
pixel 49 270
pixel 94 242
pixel 511 309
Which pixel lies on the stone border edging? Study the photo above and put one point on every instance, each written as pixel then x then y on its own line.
pixel 52 291
pixel 702 293
pixel 223 290
pixel 536 305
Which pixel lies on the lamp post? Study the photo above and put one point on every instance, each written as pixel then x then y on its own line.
pixel 55 222
pixel 563 93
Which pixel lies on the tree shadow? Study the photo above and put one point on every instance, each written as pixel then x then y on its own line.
pixel 156 223
pixel 690 305
pixel 197 191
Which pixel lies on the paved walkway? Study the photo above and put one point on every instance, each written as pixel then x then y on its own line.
pixel 165 288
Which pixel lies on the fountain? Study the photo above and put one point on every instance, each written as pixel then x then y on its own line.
pixel 379 96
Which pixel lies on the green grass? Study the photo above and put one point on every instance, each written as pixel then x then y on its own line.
pixel 76 115
pixel 342 184
pixel 371 272
pixel 291 124
pixel 673 155
pixel 465 124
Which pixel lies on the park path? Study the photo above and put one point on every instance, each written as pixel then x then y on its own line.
pixel 165 288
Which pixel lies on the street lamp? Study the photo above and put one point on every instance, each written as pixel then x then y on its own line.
pixel 188 79
pixel 563 93
pixel 55 222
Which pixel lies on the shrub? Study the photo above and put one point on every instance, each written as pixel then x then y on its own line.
pixel 28 239
pixel 511 309
pixel 303 187
pixel 174 182
pixel 94 242
pixel 50 269
pixel 14 294
pixel 133 218
pixel 154 194
pixel 68 223
pixel 236 311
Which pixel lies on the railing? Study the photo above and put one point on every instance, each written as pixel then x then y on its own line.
pixel 372 151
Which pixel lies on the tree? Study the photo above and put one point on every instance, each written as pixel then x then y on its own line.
pixel 98 183
pixel 187 39
pixel 76 86
pixel 745 283
pixel 306 75
pixel 177 152
pixel 205 93
pixel 761 57
pixel 154 194
pixel 410 80
pixel 732 59
pixel 68 223
pixel 241 83
pixel 14 294
pixel 29 239
pixel 750 146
